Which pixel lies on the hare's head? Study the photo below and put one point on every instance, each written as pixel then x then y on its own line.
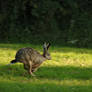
pixel 46 54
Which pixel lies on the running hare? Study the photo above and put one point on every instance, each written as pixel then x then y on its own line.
pixel 31 58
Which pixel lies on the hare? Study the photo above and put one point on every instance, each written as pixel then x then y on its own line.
pixel 31 58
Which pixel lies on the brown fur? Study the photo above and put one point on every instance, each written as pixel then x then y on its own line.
pixel 31 58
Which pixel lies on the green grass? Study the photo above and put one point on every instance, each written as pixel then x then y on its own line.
pixel 70 70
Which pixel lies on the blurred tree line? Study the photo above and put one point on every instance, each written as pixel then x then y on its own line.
pixel 56 21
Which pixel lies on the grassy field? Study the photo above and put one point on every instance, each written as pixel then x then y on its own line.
pixel 70 70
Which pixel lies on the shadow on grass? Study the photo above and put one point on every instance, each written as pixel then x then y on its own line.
pixel 66 72
pixel 57 73
pixel 45 87
pixel 50 73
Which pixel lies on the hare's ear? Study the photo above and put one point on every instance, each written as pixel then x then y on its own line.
pixel 44 49
pixel 48 45
pixel 44 45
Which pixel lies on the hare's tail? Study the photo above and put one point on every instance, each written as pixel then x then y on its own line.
pixel 12 62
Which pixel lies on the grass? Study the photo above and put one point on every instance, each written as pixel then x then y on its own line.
pixel 70 70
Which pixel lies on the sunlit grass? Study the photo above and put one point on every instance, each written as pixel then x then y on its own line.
pixel 70 70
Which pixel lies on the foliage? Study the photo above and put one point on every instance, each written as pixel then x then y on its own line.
pixel 57 21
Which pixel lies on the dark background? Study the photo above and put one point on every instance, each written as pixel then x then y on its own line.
pixel 55 21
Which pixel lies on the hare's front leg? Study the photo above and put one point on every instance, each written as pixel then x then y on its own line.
pixel 34 69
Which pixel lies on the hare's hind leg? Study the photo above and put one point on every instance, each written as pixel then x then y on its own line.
pixel 26 67
pixel 30 69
